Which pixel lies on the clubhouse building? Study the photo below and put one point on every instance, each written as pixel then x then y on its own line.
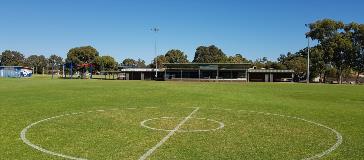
pixel 205 72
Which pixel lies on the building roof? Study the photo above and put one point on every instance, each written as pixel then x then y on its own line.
pixel 270 71
pixel 15 67
pixel 134 70
pixel 207 65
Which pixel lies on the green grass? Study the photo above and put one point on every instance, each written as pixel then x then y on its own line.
pixel 116 133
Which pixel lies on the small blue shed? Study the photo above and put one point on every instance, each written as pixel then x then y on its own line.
pixel 15 71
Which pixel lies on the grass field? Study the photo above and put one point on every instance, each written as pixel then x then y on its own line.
pixel 98 119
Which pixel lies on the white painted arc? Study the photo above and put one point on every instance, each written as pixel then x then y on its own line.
pixel 26 141
pixel 339 140
pixel 221 125
pixel 339 137
pixel 171 133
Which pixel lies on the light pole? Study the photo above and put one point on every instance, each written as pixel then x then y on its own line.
pixel 308 57
pixel 155 30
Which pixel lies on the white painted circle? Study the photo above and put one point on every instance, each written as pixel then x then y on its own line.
pixel 23 133
pixel 221 125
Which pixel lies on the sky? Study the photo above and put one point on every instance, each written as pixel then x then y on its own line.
pixel 122 28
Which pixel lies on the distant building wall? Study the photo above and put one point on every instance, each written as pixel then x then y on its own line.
pixel 15 71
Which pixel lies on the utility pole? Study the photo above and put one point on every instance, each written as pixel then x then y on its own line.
pixel 155 30
pixel 308 57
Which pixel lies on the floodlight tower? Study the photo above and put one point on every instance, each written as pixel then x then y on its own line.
pixel 308 56
pixel 155 30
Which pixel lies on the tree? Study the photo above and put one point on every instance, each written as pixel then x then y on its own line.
pixel 32 61
pixel 265 63
pixel 260 62
pixel 318 66
pixel 161 59
pixel 56 60
pixel 42 64
pixel 210 54
pixel 140 63
pixel 82 55
pixel 343 54
pixel 237 58
pixel 105 63
pixel 356 32
pixel 135 63
pixel 322 30
pixel 299 65
pixel 129 62
pixel 339 44
pixel 37 62
pixel 176 56
pixel 12 58
pixel 359 64
pixel 297 62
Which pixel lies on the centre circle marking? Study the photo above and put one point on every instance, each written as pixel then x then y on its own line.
pixel 221 125
pixel 339 138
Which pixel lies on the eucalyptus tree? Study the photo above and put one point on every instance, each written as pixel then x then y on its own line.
pixel 210 54
pixel 176 56
pixel 12 58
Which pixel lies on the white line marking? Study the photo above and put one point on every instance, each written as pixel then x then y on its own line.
pixel 339 137
pixel 130 108
pixel 171 133
pixel 150 107
pixel 221 125
pixel 26 141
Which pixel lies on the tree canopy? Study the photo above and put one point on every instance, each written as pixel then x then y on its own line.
pixel 340 46
pixel 237 58
pixel 38 62
pixel 56 60
pixel 82 55
pixel 176 56
pixel 134 63
pixel 210 54
pixel 105 63
pixel 12 58
pixel 161 59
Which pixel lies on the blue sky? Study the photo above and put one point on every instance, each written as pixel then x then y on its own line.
pixel 121 28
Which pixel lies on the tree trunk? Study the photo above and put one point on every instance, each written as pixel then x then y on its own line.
pixel 324 80
pixel 340 76
pixel 320 74
pixel 357 78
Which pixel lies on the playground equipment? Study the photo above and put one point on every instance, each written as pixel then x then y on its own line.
pixel 85 67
